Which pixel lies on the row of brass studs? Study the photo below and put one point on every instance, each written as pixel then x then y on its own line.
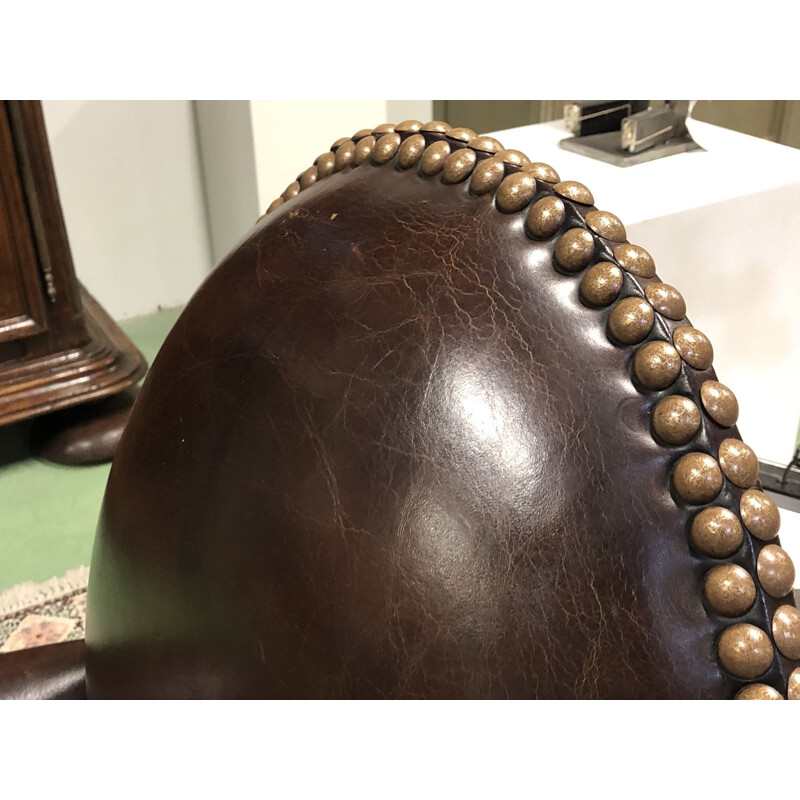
pixel 383 143
pixel 744 649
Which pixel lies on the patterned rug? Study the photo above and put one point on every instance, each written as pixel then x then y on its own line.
pixel 32 614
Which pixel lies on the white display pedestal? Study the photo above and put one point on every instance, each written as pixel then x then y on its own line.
pixel 723 226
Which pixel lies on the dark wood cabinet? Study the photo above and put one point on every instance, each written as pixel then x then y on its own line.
pixel 58 347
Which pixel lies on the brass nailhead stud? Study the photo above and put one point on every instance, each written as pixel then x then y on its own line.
pixel 274 204
pixel 657 365
pixel 434 157
pixel 716 532
pixel 411 151
pixel 745 651
pixel 574 250
pixel 602 283
pixel 697 478
pixel 760 515
pixel 514 157
pixel 738 462
pixel 786 631
pixel 666 299
pixel 515 192
pixel 462 134
pixel 363 150
pixel 631 320
pixel 325 164
pixel 408 125
pixel 487 176
pixel 607 225
pixel 775 570
pixel 793 691
pixel 487 144
pixel 386 127
pixel 436 126
pixel 385 148
pixel 676 420
pixel 361 134
pixel 758 691
pixel 339 142
pixel 720 403
pixel 694 347
pixel 635 259
pixel 542 172
pixel 344 154
pixel 308 178
pixel 545 217
pixel 459 165
pixel 292 190
pixel 730 590
pixel 577 192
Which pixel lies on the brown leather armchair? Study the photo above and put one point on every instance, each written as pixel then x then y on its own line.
pixel 435 429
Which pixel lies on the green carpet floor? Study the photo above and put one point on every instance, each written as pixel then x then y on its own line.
pixel 48 512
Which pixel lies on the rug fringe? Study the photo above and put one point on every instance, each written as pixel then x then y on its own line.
pixel 28 594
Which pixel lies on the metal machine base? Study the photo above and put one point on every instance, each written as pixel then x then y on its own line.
pixel 606 147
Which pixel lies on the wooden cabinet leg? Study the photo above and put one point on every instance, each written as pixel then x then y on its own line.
pixel 83 434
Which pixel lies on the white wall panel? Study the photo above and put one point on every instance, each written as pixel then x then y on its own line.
pixel 130 186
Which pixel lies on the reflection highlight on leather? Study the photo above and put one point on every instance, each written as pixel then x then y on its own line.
pixel 486 415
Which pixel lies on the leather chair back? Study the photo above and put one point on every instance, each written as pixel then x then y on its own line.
pixel 435 429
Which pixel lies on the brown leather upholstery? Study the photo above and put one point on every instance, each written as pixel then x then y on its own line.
pixel 388 452
pixel 52 672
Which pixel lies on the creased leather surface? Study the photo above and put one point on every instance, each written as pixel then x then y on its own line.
pixel 51 672
pixel 387 453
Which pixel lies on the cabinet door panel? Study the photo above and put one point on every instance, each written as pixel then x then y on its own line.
pixel 22 300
